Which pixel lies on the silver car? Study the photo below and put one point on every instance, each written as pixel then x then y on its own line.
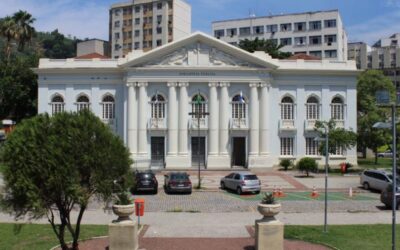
pixel 376 179
pixel 241 182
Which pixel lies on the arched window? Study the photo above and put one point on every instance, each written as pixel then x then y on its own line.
pixel 82 102
pixel 108 104
pixel 312 107
pixel 337 109
pixel 239 107
pixel 199 105
pixel 287 112
pixel 57 104
pixel 157 107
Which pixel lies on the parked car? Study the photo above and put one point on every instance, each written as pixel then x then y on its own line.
pixel 376 179
pixel 146 181
pixel 241 182
pixel 387 153
pixel 387 197
pixel 177 182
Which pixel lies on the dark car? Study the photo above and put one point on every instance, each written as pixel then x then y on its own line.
pixel 146 181
pixel 177 182
pixel 387 197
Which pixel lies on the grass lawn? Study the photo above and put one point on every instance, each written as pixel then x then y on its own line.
pixel 370 163
pixel 349 237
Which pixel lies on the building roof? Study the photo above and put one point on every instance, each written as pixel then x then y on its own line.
pixel 304 57
pixel 92 56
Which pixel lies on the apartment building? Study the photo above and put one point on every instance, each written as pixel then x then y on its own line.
pixel 383 55
pixel 319 33
pixel 147 24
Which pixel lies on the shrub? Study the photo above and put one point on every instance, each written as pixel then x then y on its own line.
pixel 268 198
pixel 307 164
pixel 285 163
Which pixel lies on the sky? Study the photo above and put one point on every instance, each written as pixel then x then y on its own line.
pixel 364 20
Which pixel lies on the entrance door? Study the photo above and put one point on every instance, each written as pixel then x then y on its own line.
pixel 239 151
pixel 198 151
pixel 157 151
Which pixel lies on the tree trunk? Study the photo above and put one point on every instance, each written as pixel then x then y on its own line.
pixel 376 156
pixel 75 244
pixel 364 152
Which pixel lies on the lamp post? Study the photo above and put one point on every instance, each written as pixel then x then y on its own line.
pixel 198 113
pixel 383 100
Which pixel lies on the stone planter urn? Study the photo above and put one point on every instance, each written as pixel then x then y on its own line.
pixel 123 212
pixel 269 210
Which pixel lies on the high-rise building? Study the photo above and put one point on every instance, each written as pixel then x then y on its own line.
pixel 147 24
pixel 319 33
pixel 383 55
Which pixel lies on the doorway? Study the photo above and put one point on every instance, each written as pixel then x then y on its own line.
pixel 157 152
pixel 239 151
pixel 198 151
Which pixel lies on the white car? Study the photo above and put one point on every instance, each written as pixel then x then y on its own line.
pixel 387 153
pixel 376 179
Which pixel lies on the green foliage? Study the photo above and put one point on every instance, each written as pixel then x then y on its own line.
pixel 59 163
pixel 268 46
pixel 57 46
pixel 307 164
pixel 338 137
pixel 368 113
pixel 268 198
pixel 285 163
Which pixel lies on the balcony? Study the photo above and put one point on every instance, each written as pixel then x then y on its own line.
pixel 287 125
pixel 194 123
pixel 239 123
pixel 309 125
pixel 157 124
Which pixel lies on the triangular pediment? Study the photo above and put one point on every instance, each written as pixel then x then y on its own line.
pixel 198 50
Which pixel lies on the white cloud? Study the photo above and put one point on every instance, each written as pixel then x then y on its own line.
pixel 82 19
pixel 372 30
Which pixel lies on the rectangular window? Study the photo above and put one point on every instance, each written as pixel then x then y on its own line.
pixel 317 53
pixel 258 30
pixel 286 41
pixel 312 146
pixel 272 28
pixel 329 39
pixel 137 21
pixel 312 111
pixel 137 45
pixel 286 27
pixel 159 42
pixel 57 107
pixel 137 33
pixel 137 9
pixel 315 25
pixel 231 32
pixel 338 151
pixel 219 33
pixel 108 111
pixel 116 35
pixel 300 41
pixel 159 30
pixel 159 19
pixel 117 12
pixel 117 24
pixel 159 6
pixel 330 23
pixel 287 146
pixel 300 26
pixel 287 112
pixel 315 40
pixel 330 54
pixel 337 111
pixel 245 31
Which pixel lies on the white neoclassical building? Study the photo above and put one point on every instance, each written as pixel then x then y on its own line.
pixel 199 99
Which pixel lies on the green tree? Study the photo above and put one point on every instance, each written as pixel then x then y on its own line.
pixel 23 28
pixel 56 46
pixel 368 112
pixel 338 137
pixel 56 164
pixel 8 31
pixel 269 46
pixel 307 164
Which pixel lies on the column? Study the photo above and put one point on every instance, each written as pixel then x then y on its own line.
pixel 132 118
pixel 183 118
pixel 254 120
pixel 213 120
pixel 172 119
pixel 224 115
pixel 142 120
pixel 264 116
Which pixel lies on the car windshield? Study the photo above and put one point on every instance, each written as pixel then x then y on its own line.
pixel 179 177
pixel 391 178
pixel 145 176
pixel 250 177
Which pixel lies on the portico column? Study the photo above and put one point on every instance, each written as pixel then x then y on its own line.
pixel 224 115
pixel 132 118
pixel 142 120
pixel 183 118
pixel 264 116
pixel 254 120
pixel 213 120
pixel 172 119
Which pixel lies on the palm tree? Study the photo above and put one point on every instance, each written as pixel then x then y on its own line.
pixel 24 30
pixel 8 30
pixel 269 46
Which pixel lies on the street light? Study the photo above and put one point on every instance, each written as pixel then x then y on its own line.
pixel 326 139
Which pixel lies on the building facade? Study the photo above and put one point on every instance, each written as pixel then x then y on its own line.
pixel 147 24
pixel 319 34
pixel 201 100
pixel 383 55
pixel 93 46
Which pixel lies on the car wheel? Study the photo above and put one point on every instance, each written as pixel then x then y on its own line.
pixel 155 191
pixel 366 185
pixel 257 192
pixel 239 191
pixel 222 186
